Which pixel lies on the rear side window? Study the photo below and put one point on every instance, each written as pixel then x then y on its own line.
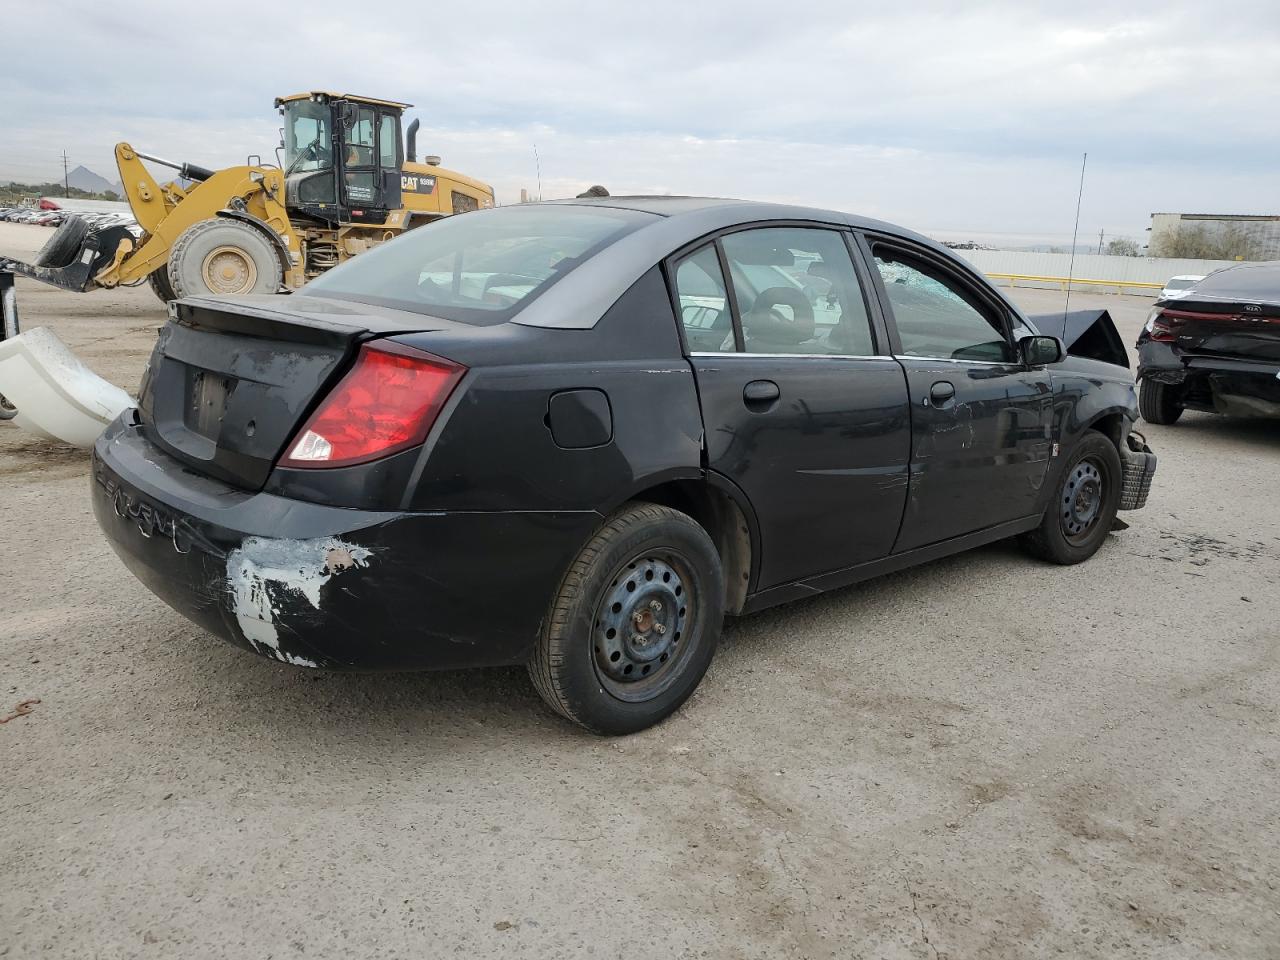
pixel 481 268
pixel 797 292
pixel 704 303
pixel 936 316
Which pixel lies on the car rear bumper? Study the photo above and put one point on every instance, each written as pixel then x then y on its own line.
pixel 322 586
pixel 1228 385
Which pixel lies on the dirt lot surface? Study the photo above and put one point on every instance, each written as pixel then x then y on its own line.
pixel 985 757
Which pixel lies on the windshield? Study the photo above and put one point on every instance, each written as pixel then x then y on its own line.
pixel 307 143
pixel 478 267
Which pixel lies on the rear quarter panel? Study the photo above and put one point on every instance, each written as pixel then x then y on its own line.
pixel 495 450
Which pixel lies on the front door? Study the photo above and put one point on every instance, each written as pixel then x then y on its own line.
pixel 800 408
pixel 370 163
pixel 981 421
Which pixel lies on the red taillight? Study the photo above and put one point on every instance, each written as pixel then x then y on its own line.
pixel 387 402
pixel 1165 323
pixel 1162 328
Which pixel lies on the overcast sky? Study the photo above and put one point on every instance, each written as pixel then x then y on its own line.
pixel 952 118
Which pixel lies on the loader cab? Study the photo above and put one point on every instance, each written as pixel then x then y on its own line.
pixel 342 157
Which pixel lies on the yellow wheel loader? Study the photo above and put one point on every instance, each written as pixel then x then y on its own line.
pixel 347 181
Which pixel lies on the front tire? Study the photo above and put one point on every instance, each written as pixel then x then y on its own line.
pixel 1159 403
pixel 223 256
pixel 1084 505
pixel 635 623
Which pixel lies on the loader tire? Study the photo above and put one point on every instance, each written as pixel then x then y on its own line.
pixel 65 243
pixel 160 285
pixel 223 256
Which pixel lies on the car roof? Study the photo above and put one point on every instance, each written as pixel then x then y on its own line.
pixel 749 211
pixel 1255 282
pixel 577 301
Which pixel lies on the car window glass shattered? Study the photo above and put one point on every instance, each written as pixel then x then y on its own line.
pixel 935 317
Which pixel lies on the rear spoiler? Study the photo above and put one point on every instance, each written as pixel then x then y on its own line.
pixel 1086 333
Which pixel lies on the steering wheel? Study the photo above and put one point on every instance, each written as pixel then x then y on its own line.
pixel 766 322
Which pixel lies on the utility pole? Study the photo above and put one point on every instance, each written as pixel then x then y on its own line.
pixel 1099 241
pixel 66 183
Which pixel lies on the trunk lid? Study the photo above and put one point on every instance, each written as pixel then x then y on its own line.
pixel 1233 313
pixel 232 379
pixel 1223 329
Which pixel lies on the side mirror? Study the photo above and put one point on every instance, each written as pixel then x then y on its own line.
pixel 1039 351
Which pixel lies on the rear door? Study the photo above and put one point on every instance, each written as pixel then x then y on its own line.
pixel 981 427
pixel 801 408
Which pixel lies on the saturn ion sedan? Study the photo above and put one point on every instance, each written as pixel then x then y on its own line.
pixel 577 435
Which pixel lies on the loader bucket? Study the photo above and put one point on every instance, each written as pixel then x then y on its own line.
pixel 72 269
pixel 48 391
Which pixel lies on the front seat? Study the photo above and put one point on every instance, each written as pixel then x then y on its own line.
pixel 764 326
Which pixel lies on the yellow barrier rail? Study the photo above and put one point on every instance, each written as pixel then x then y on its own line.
pixel 1062 282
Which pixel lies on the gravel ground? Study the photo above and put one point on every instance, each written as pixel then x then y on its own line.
pixel 984 757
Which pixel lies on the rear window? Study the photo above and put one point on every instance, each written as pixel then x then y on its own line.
pixel 479 267
pixel 1178 283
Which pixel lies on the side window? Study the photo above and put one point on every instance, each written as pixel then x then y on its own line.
pixel 797 292
pixel 704 303
pixel 388 142
pixel 936 316
pixel 360 139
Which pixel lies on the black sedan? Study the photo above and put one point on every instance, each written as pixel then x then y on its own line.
pixel 577 435
pixel 1216 348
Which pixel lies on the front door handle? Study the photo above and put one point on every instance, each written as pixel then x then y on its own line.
pixel 760 393
pixel 941 392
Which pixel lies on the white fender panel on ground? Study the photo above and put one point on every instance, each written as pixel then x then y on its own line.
pixel 55 394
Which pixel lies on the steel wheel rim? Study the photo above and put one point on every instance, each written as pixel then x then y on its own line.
pixel 229 269
pixel 1081 500
pixel 643 625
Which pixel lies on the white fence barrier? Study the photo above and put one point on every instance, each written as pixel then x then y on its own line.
pixel 1140 275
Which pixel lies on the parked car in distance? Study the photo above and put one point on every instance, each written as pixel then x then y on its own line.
pixel 1216 348
pixel 576 435
pixel 1179 286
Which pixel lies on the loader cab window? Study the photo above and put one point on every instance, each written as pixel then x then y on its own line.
pixel 388 142
pixel 308 144
pixel 359 145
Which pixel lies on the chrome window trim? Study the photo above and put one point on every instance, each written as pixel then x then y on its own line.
pixel 802 356
pixel 982 363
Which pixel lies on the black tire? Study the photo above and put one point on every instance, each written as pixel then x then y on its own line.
pixel 1064 535
pixel 223 256
pixel 616 683
pixel 1159 403
pixel 64 245
pixel 158 280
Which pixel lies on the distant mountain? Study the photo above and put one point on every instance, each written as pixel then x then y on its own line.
pixel 82 178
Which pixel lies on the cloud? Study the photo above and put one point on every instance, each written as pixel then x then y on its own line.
pixel 969 115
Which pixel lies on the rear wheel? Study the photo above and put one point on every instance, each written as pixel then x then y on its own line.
pixel 1080 515
pixel 223 256
pixel 65 243
pixel 635 623
pixel 160 285
pixel 1159 403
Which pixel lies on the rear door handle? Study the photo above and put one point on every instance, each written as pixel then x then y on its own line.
pixel 941 392
pixel 759 393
